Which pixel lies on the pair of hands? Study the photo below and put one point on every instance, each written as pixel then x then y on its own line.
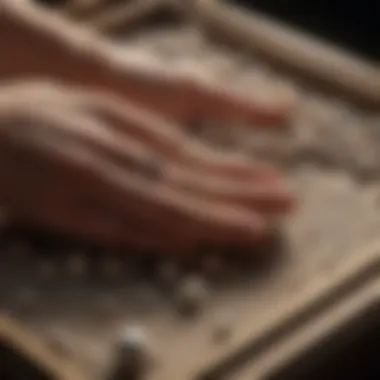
pixel 96 147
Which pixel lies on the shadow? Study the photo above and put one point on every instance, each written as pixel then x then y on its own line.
pixel 350 354
pixel 350 24
pixel 15 366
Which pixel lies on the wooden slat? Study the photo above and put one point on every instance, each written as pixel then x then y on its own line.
pixel 37 351
pixel 284 46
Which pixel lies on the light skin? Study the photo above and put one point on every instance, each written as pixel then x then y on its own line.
pixel 104 151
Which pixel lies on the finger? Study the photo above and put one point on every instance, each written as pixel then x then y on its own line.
pixel 51 202
pixel 43 44
pixel 62 215
pixel 135 122
pixel 132 155
pixel 57 49
pixel 262 196
pixel 167 138
pixel 60 125
pixel 158 203
pixel 197 217
pixel 269 198
pixel 220 104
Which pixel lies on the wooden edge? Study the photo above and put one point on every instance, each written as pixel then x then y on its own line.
pixel 339 321
pixel 82 7
pixel 252 340
pixel 287 48
pixel 322 63
pixel 105 17
pixel 121 15
pixel 37 351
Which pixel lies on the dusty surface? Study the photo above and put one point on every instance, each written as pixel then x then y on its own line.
pixel 332 160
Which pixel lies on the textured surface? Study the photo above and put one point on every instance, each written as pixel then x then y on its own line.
pixel 331 158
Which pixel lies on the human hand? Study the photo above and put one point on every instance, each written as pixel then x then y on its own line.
pixel 89 165
pixel 39 43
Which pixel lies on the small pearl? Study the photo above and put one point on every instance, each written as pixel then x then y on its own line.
pixel 132 337
pixel 131 354
pixel 192 295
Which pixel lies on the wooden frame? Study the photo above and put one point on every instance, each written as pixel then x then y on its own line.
pixel 291 325
pixel 323 64
pixel 37 351
pixel 288 49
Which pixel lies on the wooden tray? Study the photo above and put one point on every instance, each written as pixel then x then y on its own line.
pixel 331 158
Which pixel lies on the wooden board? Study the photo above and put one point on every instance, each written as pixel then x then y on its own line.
pixel 332 160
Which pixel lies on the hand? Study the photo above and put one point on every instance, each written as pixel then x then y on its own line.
pixel 39 43
pixel 89 165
